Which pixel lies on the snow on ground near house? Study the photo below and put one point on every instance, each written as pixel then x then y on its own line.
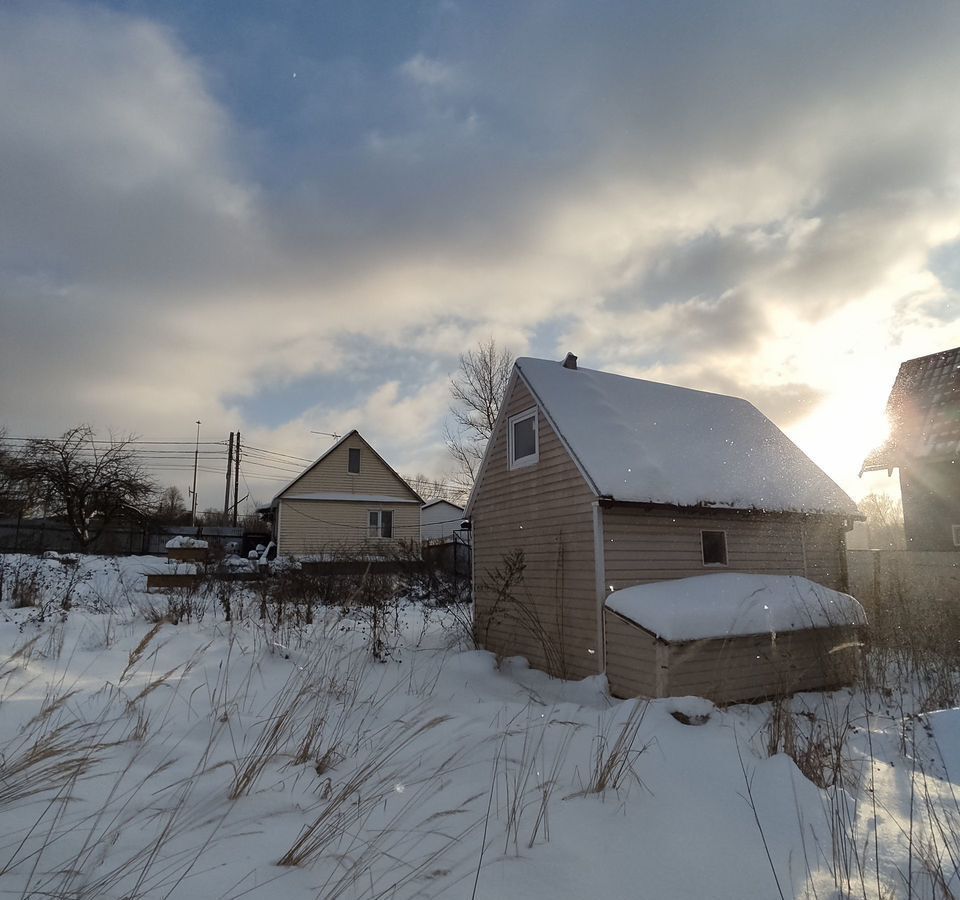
pixel 187 761
pixel 728 603
pixel 644 441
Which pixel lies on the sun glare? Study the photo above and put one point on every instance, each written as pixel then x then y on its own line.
pixel 839 435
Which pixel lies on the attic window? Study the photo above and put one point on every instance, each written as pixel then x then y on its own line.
pixel 353 460
pixel 713 545
pixel 524 439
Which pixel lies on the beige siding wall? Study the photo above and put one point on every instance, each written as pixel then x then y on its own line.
pixel 729 670
pixel 758 666
pixel 655 545
pixel 544 510
pixel 632 658
pixel 825 549
pixel 331 474
pixel 309 527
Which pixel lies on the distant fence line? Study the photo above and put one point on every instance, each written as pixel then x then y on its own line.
pixel 129 539
pixel 904 575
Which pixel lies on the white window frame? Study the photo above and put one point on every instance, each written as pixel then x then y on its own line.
pixel 726 549
pixel 955 529
pixel 533 458
pixel 379 514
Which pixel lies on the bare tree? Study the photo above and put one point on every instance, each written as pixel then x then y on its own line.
pixel 433 489
pixel 171 507
pixel 89 483
pixel 477 391
pixel 884 521
pixel 16 496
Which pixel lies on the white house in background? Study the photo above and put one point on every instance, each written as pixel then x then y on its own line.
pixel 439 520
pixel 349 500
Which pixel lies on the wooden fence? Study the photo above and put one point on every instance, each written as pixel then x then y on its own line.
pixel 910 575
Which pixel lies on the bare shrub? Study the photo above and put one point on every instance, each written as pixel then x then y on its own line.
pixel 816 743
pixel 509 607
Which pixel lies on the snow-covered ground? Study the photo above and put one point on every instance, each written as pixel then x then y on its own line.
pixel 216 759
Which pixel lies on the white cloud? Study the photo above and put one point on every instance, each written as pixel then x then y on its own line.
pixel 430 73
pixel 616 186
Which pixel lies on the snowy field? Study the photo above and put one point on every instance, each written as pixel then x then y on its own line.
pixel 215 759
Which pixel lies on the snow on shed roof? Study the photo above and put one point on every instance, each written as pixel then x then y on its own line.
pixel 732 604
pixel 644 441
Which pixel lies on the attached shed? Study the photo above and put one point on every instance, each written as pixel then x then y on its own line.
pixel 592 482
pixel 730 638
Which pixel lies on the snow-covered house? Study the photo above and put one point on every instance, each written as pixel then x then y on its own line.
pixel 604 482
pixel 348 500
pixel 440 520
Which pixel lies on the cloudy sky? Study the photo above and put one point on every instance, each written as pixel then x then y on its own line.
pixel 293 216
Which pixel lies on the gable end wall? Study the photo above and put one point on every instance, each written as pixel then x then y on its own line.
pixel 545 510
pixel 316 527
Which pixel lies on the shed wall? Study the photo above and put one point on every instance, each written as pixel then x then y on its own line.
pixel 643 545
pixel 728 670
pixel 544 510
pixel 738 669
pixel 632 658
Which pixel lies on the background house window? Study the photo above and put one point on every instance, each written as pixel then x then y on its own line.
pixel 353 462
pixel 713 545
pixel 523 438
pixel 380 523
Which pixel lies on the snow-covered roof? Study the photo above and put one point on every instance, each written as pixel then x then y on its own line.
pixel 432 503
pixel 733 604
pixel 638 440
pixel 346 496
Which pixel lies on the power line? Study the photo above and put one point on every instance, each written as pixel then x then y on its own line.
pixel 276 453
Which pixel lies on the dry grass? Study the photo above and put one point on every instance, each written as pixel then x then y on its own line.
pixel 612 763
pixel 351 803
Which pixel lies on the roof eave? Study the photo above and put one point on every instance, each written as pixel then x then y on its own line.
pixel 608 502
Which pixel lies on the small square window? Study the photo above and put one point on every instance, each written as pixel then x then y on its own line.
pixel 713 545
pixel 353 460
pixel 524 439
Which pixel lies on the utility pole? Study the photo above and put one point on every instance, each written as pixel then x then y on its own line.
pixel 196 459
pixel 226 493
pixel 236 481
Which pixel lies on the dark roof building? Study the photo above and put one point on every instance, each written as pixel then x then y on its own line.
pixel 924 444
